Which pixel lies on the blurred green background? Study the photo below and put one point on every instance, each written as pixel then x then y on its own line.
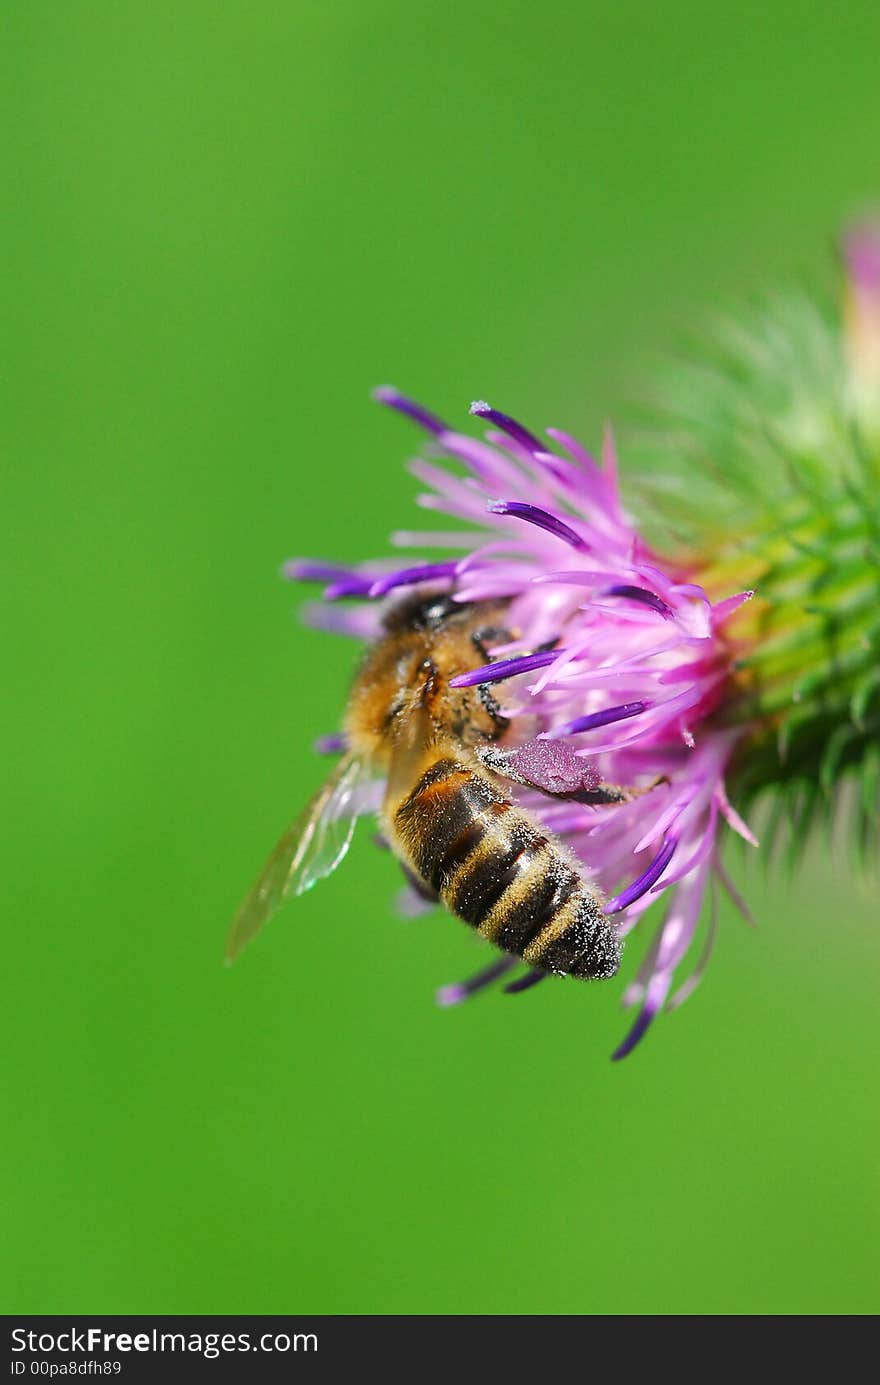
pixel 224 224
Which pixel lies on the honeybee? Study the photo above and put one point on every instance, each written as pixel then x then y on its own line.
pixel 447 812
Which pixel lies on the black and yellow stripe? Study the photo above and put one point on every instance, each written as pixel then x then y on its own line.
pixel 492 866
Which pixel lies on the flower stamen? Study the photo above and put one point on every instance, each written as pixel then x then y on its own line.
pixel 408 576
pixel 508 425
pixel 533 514
pixel 595 719
pixel 505 668
pixel 387 394
pixel 647 598
pixel 642 884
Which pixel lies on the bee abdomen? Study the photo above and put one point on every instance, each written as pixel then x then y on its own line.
pixel 492 867
pixel 446 818
pixel 578 942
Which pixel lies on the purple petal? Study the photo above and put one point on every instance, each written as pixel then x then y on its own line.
pixel 605 718
pixel 682 800
pixel 450 493
pixel 734 895
pixel 732 817
pixel 484 550
pixel 507 425
pixel 577 577
pixel 705 845
pixel 726 608
pixel 504 668
pixel 690 985
pixel 455 994
pixel 533 514
pixel 387 394
pixel 574 449
pixel 643 882
pixel 637 989
pixel 427 538
pixel 563 472
pixel 681 921
pixel 490 466
pixel 408 576
pixel 484 588
pixel 666 711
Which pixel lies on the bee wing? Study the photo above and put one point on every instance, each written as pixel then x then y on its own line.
pixel 309 850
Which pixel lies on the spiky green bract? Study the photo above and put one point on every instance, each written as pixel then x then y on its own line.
pixel 770 466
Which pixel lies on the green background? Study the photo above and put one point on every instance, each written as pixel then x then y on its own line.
pixel 223 224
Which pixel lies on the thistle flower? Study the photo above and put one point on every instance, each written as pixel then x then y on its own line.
pixel 649 665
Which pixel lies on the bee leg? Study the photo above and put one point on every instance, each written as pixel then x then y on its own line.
pixel 454 995
pixel 553 768
pixel 503 763
pixel 604 793
pixel 550 766
pixel 418 886
pixel 493 707
pixel 525 983
pixel 488 635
